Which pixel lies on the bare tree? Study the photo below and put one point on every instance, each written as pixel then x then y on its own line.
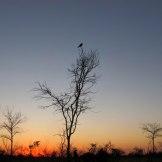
pixel 11 126
pixel 75 101
pixel 153 131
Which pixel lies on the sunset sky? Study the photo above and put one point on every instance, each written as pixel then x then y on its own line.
pixel 38 42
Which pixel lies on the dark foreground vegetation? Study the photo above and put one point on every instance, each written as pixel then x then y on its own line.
pixel 86 157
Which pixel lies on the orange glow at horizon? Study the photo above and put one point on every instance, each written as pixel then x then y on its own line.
pixel 47 147
pixel 36 152
pixel 122 135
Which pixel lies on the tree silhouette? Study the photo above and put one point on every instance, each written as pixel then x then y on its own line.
pixel 93 148
pixel 75 101
pixel 153 131
pixel 34 145
pixel 108 147
pixel 11 126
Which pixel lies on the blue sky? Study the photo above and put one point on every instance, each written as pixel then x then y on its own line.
pixel 38 42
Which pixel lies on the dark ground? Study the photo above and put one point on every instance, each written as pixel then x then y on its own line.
pixel 82 159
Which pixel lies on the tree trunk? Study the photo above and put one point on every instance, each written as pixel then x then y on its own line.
pixel 68 154
pixel 153 145
pixel 11 149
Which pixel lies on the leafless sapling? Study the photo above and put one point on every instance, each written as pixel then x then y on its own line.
pixel 153 131
pixel 11 126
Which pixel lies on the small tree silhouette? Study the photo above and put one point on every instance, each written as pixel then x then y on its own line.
pixel 108 147
pixel 34 145
pixel 11 126
pixel 153 131
pixel 93 148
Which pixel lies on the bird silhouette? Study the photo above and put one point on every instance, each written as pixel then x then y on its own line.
pixel 80 45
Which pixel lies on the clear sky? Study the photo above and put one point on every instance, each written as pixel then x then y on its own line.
pixel 38 40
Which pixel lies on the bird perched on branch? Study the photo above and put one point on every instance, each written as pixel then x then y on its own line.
pixel 80 45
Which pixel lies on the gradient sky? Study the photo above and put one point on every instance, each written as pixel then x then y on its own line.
pixel 38 40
